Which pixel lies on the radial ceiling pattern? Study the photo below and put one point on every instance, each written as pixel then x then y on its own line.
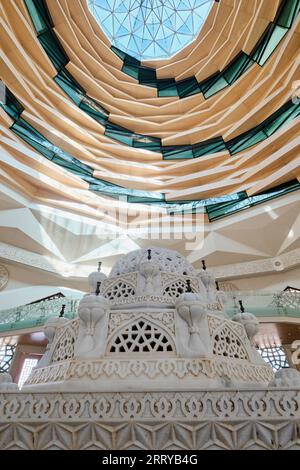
pixel 83 129
pixel 86 122
pixel 151 29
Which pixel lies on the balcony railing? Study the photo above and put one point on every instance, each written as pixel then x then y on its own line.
pixel 261 304
pixel 35 315
pixel 265 304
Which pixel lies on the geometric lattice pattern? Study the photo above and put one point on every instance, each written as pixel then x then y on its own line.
pixel 141 336
pixel 144 436
pixel 216 420
pixel 150 29
pixel 176 289
pixel 227 344
pixel 275 356
pixel 289 298
pixel 120 290
pixel 64 348
pixel 6 355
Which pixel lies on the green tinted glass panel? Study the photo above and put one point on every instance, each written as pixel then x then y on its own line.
pixel 46 148
pixel 71 164
pixel 269 44
pixel 119 133
pixel 290 9
pixel 237 68
pixel 27 133
pixel 147 143
pixel 131 70
pixel 272 193
pixel 213 85
pixel 93 109
pixel 53 49
pixel 177 152
pixel 285 115
pixel 167 88
pixel 209 147
pixel 188 87
pixel 37 18
pixel 147 76
pixel 144 200
pixel 111 189
pixel 118 52
pixel 231 205
pixel 219 210
pixel 12 106
pixel 246 141
pixel 65 80
pixel 130 138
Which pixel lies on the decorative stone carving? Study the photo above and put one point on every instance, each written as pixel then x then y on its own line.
pixel 221 299
pixel 151 344
pixel 149 281
pixel 142 335
pixel 95 279
pixel 3 276
pixel 167 260
pixel 93 312
pixel 197 420
pixel 64 341
pixel 226 286
pixel 208 279
pixel 170 367
pixel 120 289
pixel 286 378
pixel 50 329
pixel 160 373
pixel 249 322
pixel 7 384
pixel 193 311
pixel 213 296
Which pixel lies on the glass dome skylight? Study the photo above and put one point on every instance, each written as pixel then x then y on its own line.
pixel 150 29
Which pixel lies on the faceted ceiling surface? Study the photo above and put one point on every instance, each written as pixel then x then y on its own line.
pixel 87 130
pixel 151 29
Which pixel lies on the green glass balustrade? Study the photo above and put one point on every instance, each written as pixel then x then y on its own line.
pixel 261 304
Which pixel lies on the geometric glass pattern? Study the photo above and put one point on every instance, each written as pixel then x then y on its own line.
pixel 150 29
pixel 6 355
pixel 28 365
pixel 275 356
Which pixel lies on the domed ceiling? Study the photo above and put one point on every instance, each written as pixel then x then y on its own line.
pixel 150 29
pixel 89 128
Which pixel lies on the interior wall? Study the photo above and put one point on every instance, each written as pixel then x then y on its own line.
pixel 272 282
pixel 27 284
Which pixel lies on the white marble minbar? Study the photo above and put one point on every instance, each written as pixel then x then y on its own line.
pixel 152 362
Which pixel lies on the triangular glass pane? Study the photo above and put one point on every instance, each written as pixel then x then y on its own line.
pixel 157 29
